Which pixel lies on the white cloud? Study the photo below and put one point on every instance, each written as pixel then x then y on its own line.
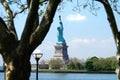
pixel 75 17
pixel 80 40
pixel 84 47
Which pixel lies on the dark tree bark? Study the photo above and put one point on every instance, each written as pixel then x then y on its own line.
pixel 16 53
pixel 113 25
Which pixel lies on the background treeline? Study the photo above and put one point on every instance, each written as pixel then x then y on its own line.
pixel 91 64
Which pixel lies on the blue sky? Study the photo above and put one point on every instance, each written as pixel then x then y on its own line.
pixel 85 34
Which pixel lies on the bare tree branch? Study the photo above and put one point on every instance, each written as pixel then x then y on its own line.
pixel 18 12
pixel 28 3
pixel 9 17
pixel 40 2
pixel 39 34
pixel 4 33
pixel 29 25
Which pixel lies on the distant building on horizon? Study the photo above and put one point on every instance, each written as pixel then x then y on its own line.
pixel 40 66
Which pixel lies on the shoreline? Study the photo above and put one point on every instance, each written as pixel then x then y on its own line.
pixel 74 71
pixel 71 71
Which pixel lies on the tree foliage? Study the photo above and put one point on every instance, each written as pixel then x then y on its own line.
pixel 94 6
pixel 101 64
pixel 56 63
pixel 75 64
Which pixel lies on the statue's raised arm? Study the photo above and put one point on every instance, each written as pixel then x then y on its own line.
pixel 60 19
pixel 60 32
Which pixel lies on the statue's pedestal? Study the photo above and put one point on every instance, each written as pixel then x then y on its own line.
pixel 61 52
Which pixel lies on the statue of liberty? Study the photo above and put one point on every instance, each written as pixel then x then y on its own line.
pixel 60 28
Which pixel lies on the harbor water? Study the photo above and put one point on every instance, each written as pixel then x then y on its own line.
pixel 69 76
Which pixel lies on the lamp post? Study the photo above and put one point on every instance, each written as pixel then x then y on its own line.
pixel 37 55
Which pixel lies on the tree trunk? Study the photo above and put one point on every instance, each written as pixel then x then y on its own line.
pixel 16 53
pixel 17 73
pixel 17 67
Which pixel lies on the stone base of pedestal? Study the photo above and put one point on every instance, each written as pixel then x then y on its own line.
pixel 61 52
